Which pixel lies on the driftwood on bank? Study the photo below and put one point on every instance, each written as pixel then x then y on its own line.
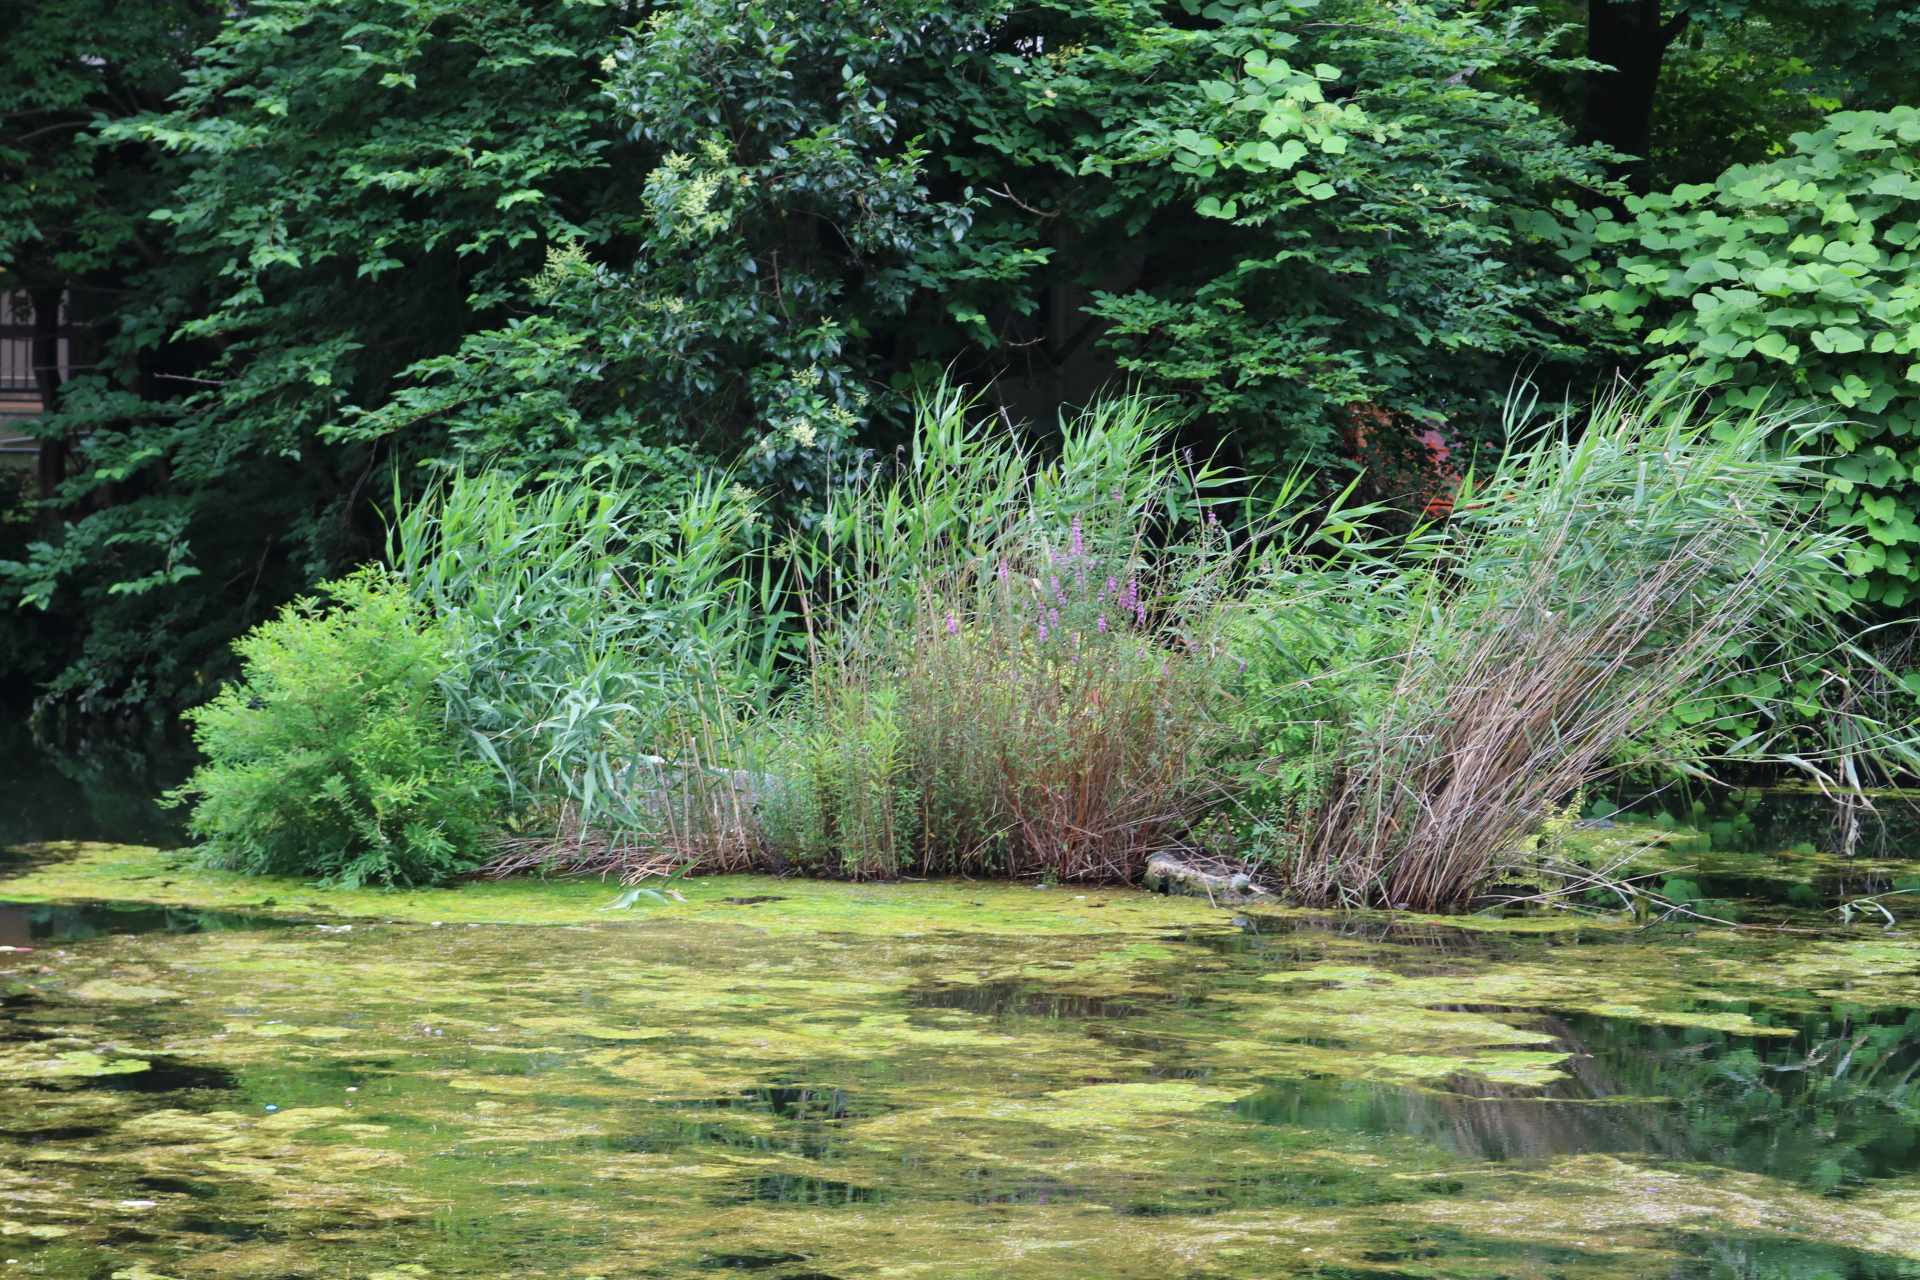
pixel 1222 881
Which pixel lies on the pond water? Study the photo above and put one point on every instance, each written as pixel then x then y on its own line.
pixel 945 1081
pixel 98 787
pixel 207 1076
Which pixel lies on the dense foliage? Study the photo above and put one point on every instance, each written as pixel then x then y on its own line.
pixel 333 757
pixel 717 231
pixel 329 196
pixel 1797 280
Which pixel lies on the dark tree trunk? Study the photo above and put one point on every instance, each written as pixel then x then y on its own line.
pixel 1630 38
pixel 46 376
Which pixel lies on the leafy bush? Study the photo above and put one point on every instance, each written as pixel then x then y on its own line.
pixel 332 758
pixel 1796 284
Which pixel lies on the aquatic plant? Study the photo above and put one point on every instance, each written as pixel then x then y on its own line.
pixel 1460 685
pixel 993 667
pixel 983 658
pixel 592 619
pixel 332 757
pixel 1012 664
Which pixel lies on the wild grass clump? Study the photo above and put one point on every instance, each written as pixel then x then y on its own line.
pixel 1426 704
pixel 1008 670
pixel 591 621
pixel 332 759
pixel 1048 714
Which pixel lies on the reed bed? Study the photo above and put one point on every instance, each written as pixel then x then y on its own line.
pixel 1542 640
pixel 981 661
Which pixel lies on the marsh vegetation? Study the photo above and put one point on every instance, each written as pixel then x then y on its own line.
pixel 1014 658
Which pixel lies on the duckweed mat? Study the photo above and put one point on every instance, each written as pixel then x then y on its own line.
pixel 953 1080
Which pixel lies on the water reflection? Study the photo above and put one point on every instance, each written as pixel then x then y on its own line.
pixel 102 787
pixel 1832 1107
pixel 1719 1257
pixel 32 925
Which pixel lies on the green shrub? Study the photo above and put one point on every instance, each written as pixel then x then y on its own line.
pixel 332 758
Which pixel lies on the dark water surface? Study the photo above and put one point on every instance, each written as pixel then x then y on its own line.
pixel 106 787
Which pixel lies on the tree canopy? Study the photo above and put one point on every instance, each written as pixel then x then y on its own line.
pixel 321 251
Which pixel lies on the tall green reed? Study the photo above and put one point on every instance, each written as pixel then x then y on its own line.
pixel 591 625
pixel 1009 655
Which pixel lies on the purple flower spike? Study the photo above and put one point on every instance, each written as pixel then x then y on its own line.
pixel 1112 586
pixel 1003 571
pixel 1163 668
pixel 1212 518
pixel 1043 633
pixel 1103 624
pixel 1141 614
pixel 1053 616
pixel 953 625
pixel 1076 535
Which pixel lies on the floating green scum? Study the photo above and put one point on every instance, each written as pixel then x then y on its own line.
pixel 952 1080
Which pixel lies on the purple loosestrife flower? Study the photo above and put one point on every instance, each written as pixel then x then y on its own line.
pixel 1043 633
pixel 1053 616
pixel 1003 571
pixel 953 625
pixel 1163 668
pixel 1076 536
pixel 1212 519
pixel 1103 624
pixel 1113 585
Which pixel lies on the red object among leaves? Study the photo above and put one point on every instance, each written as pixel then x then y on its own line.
pixel 1405 461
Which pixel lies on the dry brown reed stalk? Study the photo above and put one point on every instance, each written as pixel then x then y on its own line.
pixel 1538 701
pixel 1605 582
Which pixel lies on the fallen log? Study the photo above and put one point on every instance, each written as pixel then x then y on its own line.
pixel 1167 873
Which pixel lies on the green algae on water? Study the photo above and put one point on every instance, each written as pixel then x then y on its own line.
pixel 943 1081
pixel 125 873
